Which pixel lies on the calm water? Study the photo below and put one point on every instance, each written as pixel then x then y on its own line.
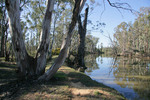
pixel 131 77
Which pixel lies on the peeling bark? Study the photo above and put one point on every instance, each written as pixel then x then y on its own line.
pixel 22 57
pixel 28 66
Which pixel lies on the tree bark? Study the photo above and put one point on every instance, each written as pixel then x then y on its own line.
pixel 29 66
pixel 2 43
pixel 66 43
pixel 45 40
pixel 3 32
pixel 79 60
pixel 22 58
pixel 52 42
pixel 7 51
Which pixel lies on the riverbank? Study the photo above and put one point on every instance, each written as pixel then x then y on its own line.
pixel 66 84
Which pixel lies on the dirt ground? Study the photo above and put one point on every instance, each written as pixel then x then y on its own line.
pixel 67 84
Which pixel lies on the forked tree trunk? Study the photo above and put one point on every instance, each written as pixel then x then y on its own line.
pixel 66 43
pixel 29 66
pixel 79 60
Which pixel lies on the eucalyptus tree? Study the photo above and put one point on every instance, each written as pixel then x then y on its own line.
pixel 62 23
pixel 140 31
pixel 33 13
pixel 143 26
pixel 79 60
pixel 66 42
pixel 4 28
pixel 135 36
pixel 121 35
pixel 90 43
pixel 29 66
pixel 56 13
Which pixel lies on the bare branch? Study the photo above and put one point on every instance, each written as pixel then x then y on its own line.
pixel 120 12
pixel 25 2
pixel 119 5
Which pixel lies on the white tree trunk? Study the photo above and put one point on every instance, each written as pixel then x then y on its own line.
pixel 22 57
pixel 52 42
pixel 36 66
pixel 66 43
pixel 29 66
pixel 45 40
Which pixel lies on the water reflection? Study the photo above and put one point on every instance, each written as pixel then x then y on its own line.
pixel 131 77
pixel 91 64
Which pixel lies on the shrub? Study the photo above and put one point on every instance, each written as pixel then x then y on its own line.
pixel 56 51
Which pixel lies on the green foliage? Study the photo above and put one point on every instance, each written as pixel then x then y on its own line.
pixel 129 37
pixel 32 17
pixel 31 23
pixel 97 93
pixel 91 43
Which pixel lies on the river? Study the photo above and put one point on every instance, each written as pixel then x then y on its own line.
pixel 131 77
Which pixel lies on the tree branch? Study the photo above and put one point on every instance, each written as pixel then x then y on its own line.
pixel 25 2
pixel 40 8
pixel 121 6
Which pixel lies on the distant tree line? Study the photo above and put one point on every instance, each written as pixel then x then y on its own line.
pixel 130 38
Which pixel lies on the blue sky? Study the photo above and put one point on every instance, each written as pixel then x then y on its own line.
pixel 112 17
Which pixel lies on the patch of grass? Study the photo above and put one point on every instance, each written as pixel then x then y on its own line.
pixel 50 62
pixel 2 59
pixel 96 93
pixel 84 79
pixel 60 76
pixel 7 72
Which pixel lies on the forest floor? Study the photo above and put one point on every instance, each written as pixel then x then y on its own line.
pixel 67 84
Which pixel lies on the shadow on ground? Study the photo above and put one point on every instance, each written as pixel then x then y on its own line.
pixel 66 84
